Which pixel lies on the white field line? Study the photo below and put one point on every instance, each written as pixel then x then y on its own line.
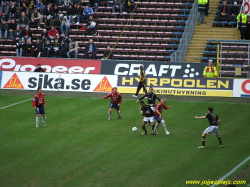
pixel 15 103
pixel 232 171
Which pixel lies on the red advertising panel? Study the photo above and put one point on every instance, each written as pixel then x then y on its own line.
pixel 50 65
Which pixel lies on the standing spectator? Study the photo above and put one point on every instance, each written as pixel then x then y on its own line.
pixel 4 10
pixel 73 49
pixel 4 27
pixel 17 15
pixel 56 22
pixel 56 47
pixel 52 33
pixel 12 10
pixel 27 47
pixel 37 49
pixel 210 71
pixel 24 21
pixel 207 8
pixel 47 49
pixel 87 12
pixel 108 53
pixel 26 34
pixel 201 10
pixel 224 11
pixel 12 28
pixel 65 48
pixel 48 23
pixel 242 21
pixel 70 13
pixel 19 48
pixel 18 33
pixel 117 4
pixel 78 13
pixel 65 26
pixel 234 11
pixel 91 49
pixel 36 18
pixel 91 26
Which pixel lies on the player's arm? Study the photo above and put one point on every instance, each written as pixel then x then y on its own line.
pixel 201 117
pixel 119 100
pixel 219 122
pixel 34 102
pixel 107 96
pixel 141 98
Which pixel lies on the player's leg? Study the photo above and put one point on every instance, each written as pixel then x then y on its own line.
pixel 216 132
pixel 158 119
pixel 42 111
pixel 144 87
pixel 153 127
pixel 138 89
pixel 110 110
pixel 164 126
pixel 118 111
pixel 203 140
pixel 37 120
pixel 144 126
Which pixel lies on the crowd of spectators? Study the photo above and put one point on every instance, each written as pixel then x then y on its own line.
pixel 18 19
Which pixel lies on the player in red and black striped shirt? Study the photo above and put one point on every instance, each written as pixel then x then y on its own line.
pixel 116 99
pixel 39 104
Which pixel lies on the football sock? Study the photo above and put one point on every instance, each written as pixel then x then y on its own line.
pixel 44 119
pixel 153 127
pixel 156 126
pixel 110 114
pixel 164 125
pixel 144 129
pixel 203 138
pixel 119 114
pixel 37 121
pixel 219 138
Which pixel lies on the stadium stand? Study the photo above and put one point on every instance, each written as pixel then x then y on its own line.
pixel 153 32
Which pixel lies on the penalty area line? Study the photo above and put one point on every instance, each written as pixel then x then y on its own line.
pixel 15 103
pixel 232 171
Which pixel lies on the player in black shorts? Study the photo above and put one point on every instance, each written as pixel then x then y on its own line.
pixel 149 117
pixel 214 122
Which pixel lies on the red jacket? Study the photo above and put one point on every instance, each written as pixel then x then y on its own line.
pixel 53 33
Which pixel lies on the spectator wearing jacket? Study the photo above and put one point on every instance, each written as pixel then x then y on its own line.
pixel 18 33
pixel 47 49
pixel 65 48
pixel 12 10
pixel 56 22
pixel 37 49
pixel 56 47
pixel 117 4
pixel 48 11
pixel 91 26
pixel 234 11
pixel 210 71
pixel 19 48
pixel 24 21
pixel 27 47
pixel 91 49
pixel 242 22
pixel 17 15
pixel 26 34
pixel 71 13
pixel 65 26
pixel 73 49
pixel 48 23
pixel 12 28
pixel 108 53
pixel 52 33
pixel 224 11
pixel 78 13
pixel 4 10
pixel 87 12
pixel 4 27
pixel 36 19
pixel 201 10
pixel 40 7
pixel 44 36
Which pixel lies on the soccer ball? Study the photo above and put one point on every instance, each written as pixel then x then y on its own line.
pixel 134 129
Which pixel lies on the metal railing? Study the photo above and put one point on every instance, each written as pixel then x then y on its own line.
pixel 180 54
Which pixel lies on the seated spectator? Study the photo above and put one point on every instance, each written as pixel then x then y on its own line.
pixel 91 49
pixel 12 28
pixel 12 10
pixel 224 11
pixel 27 47
pixel 59 38
pixel 18 33
pixel 66 4
pixel 108 53
pixel 39 68
pixel 28 13
pixel 4 9
pixel 52 33
pixel 24 21
pixel 17 15
pixel 87 12
pixel 26 34
pixel 73 49
pixel 234 11
pixel 117 4
pixel 66 37
pixel 4 27
pixel 91 26
pixel 70 13
pixel 78 13
pixel 97 3
pixel 56 47
pixel 48 11
pixel 19 48
pixel 56 11
pixel 37 49
pixel 36 19
pixel 47 49
pixel 65 26
pixel 44 36
pixel 64 49
pixel 56 22
pixel 48 23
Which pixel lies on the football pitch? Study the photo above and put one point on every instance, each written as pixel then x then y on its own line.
pixel 80 147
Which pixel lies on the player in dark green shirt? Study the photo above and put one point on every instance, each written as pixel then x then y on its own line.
pixel 214 122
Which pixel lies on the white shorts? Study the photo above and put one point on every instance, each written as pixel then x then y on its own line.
pixel 149 119
pixel 212 129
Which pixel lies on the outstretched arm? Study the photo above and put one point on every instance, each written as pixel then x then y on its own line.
pixel 201 117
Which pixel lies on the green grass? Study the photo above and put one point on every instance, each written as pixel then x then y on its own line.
pixel 80 147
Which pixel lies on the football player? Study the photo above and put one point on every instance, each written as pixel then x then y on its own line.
pixel 39 104
pixel 149 117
